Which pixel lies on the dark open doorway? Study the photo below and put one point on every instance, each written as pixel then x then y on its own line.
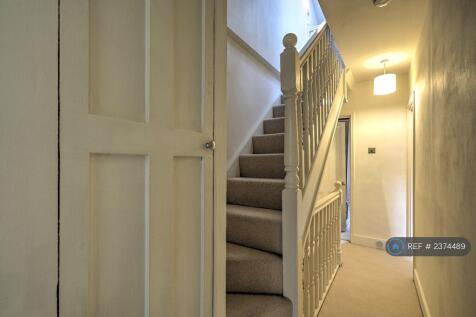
pixel 344 168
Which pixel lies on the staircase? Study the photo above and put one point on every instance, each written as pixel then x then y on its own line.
pixel 283 242
pixel 254 242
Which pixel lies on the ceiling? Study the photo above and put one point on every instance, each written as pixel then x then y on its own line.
pixel 365 34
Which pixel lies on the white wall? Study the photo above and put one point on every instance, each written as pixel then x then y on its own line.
pixel 252 89
pixel 28 158
pixel 263 23
pixel 378 206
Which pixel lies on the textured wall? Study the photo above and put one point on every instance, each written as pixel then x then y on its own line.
pixel 444 79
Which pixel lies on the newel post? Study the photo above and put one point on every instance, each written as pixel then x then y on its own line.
pixel 292 196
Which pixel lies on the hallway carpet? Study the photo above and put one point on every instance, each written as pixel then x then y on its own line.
pixel 372 283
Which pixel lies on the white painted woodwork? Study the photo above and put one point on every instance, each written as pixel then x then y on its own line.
pixel 341 167
pixel 313 91
pixel 137 196
pixel 117 47
pixel 118 222
pixel 321 250
pixel 28 158
pixel 290 87
pixel 220 157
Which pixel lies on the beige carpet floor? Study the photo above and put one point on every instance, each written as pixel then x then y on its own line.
pixel 372 283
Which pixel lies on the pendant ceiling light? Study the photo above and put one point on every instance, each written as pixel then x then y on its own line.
pixel 381 3
pixel 385 84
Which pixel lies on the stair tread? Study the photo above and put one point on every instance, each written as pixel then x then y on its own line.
pixel 253 271
pixel 258 228
pixel 247 305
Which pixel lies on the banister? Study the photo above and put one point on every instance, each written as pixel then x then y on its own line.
pixel 317 171
pixel 313 86
pixel 306 49
pixel 324 201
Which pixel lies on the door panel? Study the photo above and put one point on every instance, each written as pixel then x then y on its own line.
pixel 117 47
pixel 117 257
pixel 136 182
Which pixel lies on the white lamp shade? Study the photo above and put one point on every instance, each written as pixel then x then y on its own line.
pixel 385 84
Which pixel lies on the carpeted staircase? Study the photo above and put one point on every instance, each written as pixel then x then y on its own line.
pixel 254 264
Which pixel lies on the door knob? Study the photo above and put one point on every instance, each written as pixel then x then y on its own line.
pixel 211 145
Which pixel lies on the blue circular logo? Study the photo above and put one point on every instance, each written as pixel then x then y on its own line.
pixel 394 246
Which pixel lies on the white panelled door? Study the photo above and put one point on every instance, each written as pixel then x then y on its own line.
pixel 136 183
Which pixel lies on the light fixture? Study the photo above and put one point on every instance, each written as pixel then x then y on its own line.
pixel 381 3
pixel 385 84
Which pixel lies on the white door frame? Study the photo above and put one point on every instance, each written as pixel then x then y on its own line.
pixel 410 166
pixel 411 172
pixel 220 160
pixel 350 117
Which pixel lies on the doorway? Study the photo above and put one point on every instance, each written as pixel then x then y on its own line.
pixel 343 142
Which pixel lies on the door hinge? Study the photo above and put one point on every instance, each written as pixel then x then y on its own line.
pixel 211 145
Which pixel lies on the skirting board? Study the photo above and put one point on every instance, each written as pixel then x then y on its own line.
pixel 366 241
pixel 421 295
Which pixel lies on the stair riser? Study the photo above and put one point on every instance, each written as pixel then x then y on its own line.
pixel 255 194
pixel 254 228
pixel 244 305
pixel 254 277
pixel 278 112
pixel 273 126
pixel 271 166
pixel 268 144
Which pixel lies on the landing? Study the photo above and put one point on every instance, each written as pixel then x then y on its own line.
pixel 372 283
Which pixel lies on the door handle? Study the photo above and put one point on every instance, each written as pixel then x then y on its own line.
pixel 210 145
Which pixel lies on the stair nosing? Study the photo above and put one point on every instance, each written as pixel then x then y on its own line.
pixel 268 134
pixel 275 119
pixel 274 180
pixel 257 250
pixel 261 154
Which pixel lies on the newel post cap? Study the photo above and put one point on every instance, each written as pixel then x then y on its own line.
pixel 290 40
pixel 339 185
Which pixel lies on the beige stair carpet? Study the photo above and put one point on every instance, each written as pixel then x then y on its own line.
pixel 372 283
pixel 254 265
